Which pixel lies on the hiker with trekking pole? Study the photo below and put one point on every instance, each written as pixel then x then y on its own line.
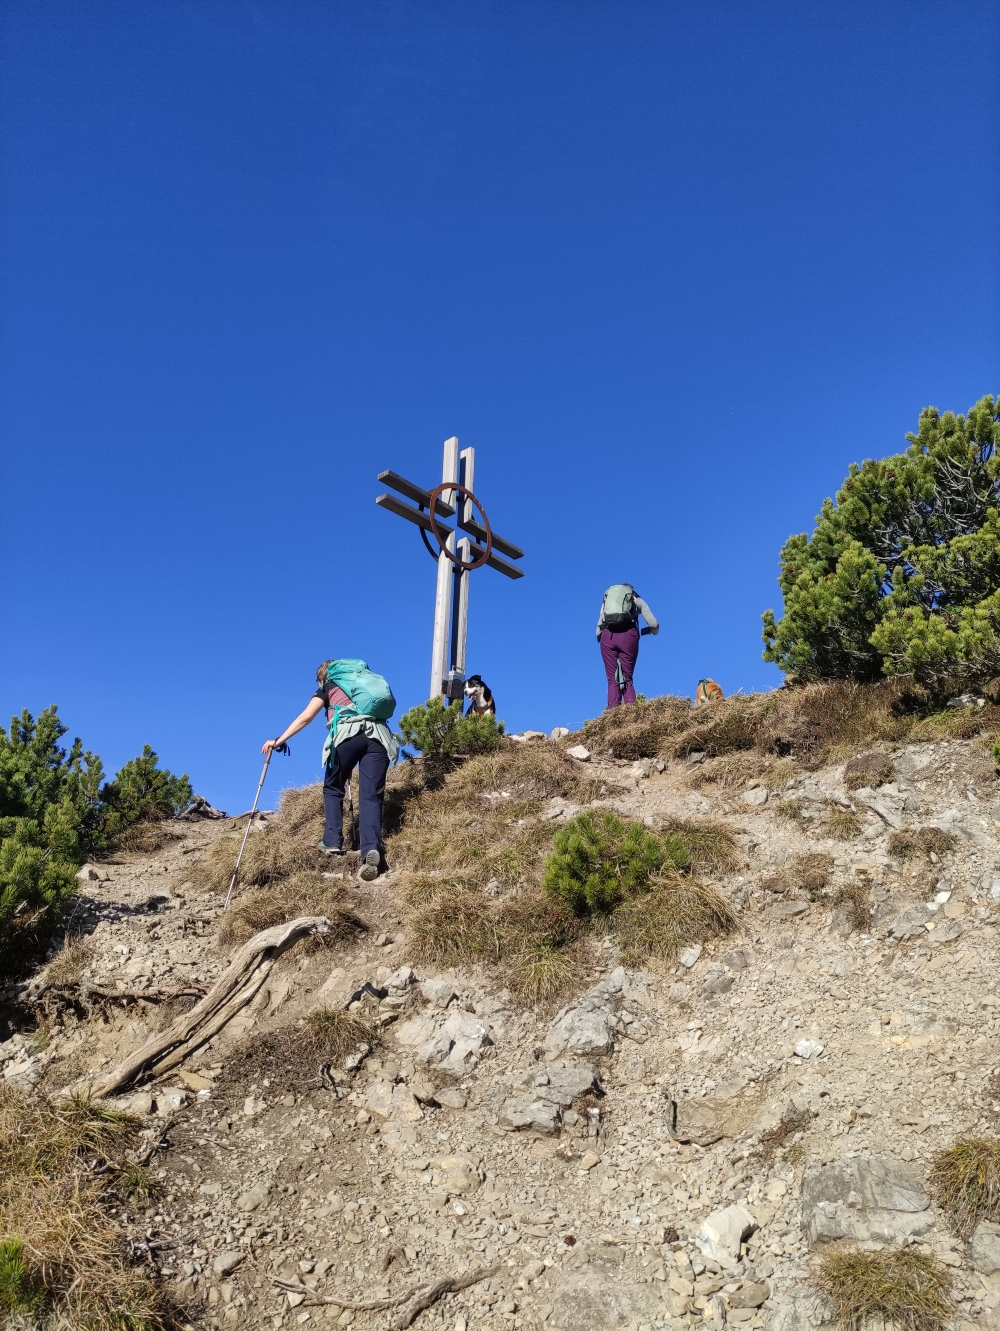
pixel 618 633
pixel 357 703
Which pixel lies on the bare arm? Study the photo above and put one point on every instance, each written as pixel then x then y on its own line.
pixel 312 708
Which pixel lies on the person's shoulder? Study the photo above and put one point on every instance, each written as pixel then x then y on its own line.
pixel 323 693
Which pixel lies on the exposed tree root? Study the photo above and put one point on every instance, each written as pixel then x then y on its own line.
pixel 416 1299
pixel 241 982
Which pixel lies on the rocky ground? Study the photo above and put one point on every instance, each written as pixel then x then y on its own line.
pixel 670 1149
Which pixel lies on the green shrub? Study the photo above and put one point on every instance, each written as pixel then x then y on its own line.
pixel 440 731
pixel 19 1292
pixel 142 791
pixel 599 861
pixel 54 812
pixel 901 574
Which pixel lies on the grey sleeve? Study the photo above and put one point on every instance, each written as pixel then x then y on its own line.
pixel 647 614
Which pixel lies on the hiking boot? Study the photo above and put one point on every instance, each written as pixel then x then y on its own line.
pixel 324 849
pixel 369 866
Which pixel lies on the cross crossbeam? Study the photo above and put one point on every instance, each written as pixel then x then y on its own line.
pixel 456 554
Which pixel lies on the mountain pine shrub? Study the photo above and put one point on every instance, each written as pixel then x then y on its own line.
pixel 54 812
pixel 599 860
pixel 440 731
pixel 901 574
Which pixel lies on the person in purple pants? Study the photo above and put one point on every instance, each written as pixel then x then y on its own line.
pixel 618 633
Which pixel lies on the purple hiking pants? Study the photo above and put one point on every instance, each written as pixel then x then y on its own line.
pixel 617 647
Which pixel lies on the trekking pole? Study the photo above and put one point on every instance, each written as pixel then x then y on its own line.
pixel 278 748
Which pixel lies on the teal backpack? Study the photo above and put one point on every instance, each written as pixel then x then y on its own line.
pixel 369 693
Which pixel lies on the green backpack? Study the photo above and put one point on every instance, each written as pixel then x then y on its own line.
pixel 369 693
pixel 618 610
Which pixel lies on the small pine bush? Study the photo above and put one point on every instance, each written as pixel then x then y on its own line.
pixel 141 790
pixel 600 861
pixel 19 1292
pixel 54 812
pixel 440 732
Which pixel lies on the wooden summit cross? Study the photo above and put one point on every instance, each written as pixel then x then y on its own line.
pixel 456 557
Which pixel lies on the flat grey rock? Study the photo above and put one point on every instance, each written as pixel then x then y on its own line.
pixel 590 1301
pixel 867 1198
pixel 227 1262
pixel 984 1248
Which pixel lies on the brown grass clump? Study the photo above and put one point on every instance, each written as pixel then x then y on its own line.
pixel 302 894
pixel 640 731
pixel 283 846
pixel 69 963
pixel 333 1033
pixel 903 1288
pixel 920 841
pixel 809 874
pixel 813 724
pixel 868 769
pixel 534 940
pixel 842 824
pixel 857 899
pixel 679 911
pixel 710 846
pixel 482 822
pixel 965 1181
pixel 62 1258
pixel 453 926
pixel 957 723
pixel 146 837
pixel 733 770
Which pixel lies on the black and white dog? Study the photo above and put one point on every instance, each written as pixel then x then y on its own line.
pixel 480 698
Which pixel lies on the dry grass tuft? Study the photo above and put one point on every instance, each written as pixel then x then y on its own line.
pixel 920 841
pixel 903 1289
pixel 69 963
pixel 733 770
pixel 302 894
pixel 641 731
pixel 147 837
pixel 710 846
pixel 333 1033
pixel 62 1258
pixel 483 823
pixel 857 899
pixel 283 846
pixel 868 769
pixel 965 1180
pixel 679 911
pixel 842 824
pixel 809 874
pixel 813 724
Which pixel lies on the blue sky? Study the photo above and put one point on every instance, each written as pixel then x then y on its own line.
pixel 670 267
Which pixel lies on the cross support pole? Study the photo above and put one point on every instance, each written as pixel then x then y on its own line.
pixel 457 554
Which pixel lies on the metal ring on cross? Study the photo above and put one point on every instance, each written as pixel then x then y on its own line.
pixel 435 494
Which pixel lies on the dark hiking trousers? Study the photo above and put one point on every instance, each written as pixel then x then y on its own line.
pixel 623 647
pixel 371 759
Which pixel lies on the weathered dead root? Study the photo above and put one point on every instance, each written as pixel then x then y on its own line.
pixel 233 991
pixel 418 1297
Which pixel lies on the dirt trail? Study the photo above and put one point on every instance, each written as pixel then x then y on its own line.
pixel 802 1070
